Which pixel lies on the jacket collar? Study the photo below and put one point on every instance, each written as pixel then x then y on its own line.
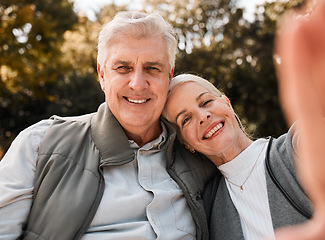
pixel 109 137
pixel 111 140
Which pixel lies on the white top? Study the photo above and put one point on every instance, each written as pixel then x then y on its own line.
pixel 140 200
pixel 252 203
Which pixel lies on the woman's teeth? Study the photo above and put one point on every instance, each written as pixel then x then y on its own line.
pixel 213 131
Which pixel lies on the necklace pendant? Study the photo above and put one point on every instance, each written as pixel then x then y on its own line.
pixel 241 189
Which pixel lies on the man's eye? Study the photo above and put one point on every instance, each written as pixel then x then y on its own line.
pixel 153 69
pixel 123 69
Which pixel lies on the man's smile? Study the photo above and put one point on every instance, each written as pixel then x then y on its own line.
pixel 137 101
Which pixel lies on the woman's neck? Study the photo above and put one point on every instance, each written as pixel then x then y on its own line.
pixel 232 152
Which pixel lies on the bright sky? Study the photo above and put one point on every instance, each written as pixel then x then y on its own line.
pixel 90 7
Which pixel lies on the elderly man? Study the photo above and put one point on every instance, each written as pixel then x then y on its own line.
pixel 116 173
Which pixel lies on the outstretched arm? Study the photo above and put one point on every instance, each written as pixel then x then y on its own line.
pixel 300 51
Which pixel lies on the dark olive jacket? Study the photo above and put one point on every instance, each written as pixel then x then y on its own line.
pixel 69 182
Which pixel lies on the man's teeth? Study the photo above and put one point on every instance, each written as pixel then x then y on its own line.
pixel 213 130
pixel 137 101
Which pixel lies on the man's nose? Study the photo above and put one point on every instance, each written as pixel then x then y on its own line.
pixel 138 80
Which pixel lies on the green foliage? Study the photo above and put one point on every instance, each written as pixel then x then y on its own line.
pixel 33 67
pixel 217 43
pixel 254 88
pixel 30 46
pixel 48 58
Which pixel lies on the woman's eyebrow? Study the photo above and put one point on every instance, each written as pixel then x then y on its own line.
pixel 201 95
pixel 179 114
pixel 183 111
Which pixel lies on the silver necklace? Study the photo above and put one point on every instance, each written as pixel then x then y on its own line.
pixel 241 186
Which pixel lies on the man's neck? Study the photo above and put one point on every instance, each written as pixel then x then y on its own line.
pixel 145 136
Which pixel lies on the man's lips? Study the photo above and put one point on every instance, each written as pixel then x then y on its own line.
pixel 137 101
pixel 213 130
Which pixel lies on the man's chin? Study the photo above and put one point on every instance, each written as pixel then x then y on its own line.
pixel 139 122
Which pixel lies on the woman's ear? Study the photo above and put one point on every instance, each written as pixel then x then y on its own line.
pixel 226 98
pixel 188 147
pixel 228 102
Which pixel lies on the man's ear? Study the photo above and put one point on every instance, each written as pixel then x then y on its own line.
pixel 101 76
pixel 171 74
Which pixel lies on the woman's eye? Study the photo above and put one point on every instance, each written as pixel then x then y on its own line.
pixel 185 121
pixel 206 102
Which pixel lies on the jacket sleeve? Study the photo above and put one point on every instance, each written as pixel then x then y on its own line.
pixel 17 169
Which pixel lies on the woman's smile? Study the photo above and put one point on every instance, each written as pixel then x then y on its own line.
pixel 214 129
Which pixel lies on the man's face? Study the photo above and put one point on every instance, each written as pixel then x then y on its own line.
pixel 135 80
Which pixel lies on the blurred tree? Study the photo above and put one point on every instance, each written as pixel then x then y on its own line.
pixel 48 63
pixel 216 42
pixel 32 34
pixel 48 58
pixel 253 87
pixel 78 91
pixel 109 11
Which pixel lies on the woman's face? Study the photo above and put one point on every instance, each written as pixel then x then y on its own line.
pixel 206 122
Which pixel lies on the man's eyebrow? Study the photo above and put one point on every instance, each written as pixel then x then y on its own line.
pixel 121 62
pixel 155 64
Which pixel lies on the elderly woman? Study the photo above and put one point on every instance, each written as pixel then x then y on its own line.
pixel 258 190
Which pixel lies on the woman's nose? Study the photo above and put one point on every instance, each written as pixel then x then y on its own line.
pixel 204 117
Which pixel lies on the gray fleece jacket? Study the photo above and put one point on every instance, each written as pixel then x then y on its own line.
pixel 282 185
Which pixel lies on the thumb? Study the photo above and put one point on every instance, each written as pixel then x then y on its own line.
pixel 311 230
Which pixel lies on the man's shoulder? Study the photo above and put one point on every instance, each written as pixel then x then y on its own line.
pixel 68 127
pixel 66 135
pixel 36 131
pixel 81 119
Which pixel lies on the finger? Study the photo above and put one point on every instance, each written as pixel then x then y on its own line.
pixel 311 230
pixel 301 77
pixel 300 43
pixel 317 50
pixel 292 69
pixel 312 100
